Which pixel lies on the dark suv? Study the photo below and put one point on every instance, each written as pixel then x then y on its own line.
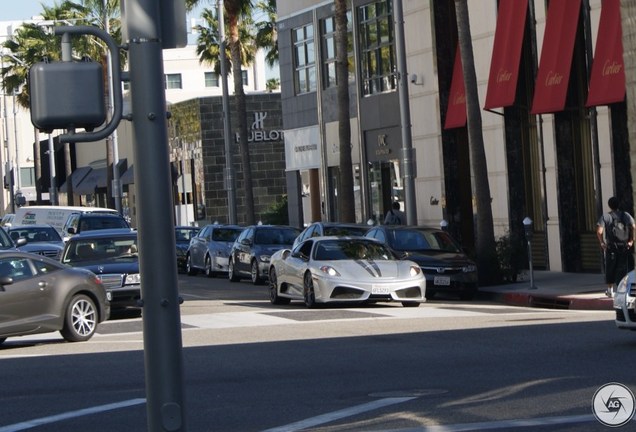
pixel 79 222
pixel 252 249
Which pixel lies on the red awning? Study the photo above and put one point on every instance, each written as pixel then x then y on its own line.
pixel 456 112
pixel 607 83
pixel 506 54
pixel 556 56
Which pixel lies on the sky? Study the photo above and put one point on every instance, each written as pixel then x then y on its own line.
pixel 22 9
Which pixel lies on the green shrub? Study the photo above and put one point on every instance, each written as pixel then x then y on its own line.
pixel 512 253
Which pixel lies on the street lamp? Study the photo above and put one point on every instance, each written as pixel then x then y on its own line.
pixel 529 230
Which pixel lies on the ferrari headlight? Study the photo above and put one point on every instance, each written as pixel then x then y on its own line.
pixel 329 270
pixel 414 271
pixel 470 268
pixel 133 279
pixel 264 258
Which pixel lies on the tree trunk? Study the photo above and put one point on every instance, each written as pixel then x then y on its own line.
pixel 37 162
pixel 628 18
pixel 346 199
pixel 485 237
pixel 241 113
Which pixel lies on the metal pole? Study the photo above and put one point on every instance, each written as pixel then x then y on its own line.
pixel 7 164
pixel 17 147
pixel 161 320
pixel 53 187
pixel 227 132
pixel 111 103
pixel 405 115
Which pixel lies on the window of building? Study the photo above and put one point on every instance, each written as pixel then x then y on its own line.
pixel 211 79
pixel 377 49
pixel 244 77
pixel 329 51
pixel 304 59
pixel 27 176
pixel 173 81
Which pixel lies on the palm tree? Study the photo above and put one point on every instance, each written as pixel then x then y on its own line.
pixel 346 200
pixel 235 13
pixel 267 34
pixel 485 235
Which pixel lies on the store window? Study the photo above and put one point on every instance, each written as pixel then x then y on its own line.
pixel 329 51
pixel 377 47
pixel 211 79
pixel 244 77
pixel 173 81
pixel 304 59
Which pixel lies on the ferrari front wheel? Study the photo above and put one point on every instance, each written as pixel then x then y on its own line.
pixel 308 291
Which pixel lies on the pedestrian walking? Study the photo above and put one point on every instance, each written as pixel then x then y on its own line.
pixel 395 216
pixel 615 232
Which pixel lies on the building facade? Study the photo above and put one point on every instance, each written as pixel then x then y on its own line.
pixel 551 84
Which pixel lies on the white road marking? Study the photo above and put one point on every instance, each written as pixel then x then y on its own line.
pixel 71 414
pixel 337 415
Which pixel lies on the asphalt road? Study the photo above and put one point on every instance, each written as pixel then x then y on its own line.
pixel 251 366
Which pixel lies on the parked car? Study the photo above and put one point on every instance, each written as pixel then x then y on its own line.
pixel 7 220
pixel 209 250
pixel 625 301
pixel 41 295
pixel 250 254
pixel 183 235
pixel 40 239
pixel 78 222
pixel 112 256
pixel 446 266
pixel 344 269
pixel 319 229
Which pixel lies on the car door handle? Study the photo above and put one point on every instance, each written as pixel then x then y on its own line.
pixel 42 285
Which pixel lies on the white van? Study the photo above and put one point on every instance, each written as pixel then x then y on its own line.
pixel 55 216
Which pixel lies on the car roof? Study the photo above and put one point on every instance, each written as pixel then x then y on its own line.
pixel 408 228
pixel 97 214
pixel 18 227
pixel 111 232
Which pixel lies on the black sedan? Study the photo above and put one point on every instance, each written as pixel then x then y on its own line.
pixel 445 265
pixel 183 235
pixel 40 295
pixel 112 255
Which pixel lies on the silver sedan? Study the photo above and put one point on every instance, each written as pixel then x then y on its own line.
pixel 344 269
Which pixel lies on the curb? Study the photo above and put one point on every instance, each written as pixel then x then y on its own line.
pixel 571 302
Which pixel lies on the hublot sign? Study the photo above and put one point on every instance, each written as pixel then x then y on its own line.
pixel 258 133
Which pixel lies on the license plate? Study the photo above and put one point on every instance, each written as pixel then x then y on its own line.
pixel 378 289
pixel 442 280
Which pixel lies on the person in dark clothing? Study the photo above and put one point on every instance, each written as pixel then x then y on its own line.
pixel 615 233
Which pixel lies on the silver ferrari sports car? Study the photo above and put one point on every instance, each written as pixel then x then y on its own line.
pixel 344 269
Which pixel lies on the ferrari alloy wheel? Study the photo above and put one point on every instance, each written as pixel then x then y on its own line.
pixel 274 298
pixel 308 291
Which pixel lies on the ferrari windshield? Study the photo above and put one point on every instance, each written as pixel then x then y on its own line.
pixel 340 249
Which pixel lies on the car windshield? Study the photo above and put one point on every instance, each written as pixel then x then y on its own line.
pixel 35 234
pixel 345 230
pixel 100 249
pixel 185 234
pixel 331 250
pixel 225 234
pixel 420 240
pixel 275 236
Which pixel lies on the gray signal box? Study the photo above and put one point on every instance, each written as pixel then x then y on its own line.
pixel 67 95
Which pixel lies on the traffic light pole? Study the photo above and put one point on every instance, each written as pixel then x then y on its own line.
pixel 161 319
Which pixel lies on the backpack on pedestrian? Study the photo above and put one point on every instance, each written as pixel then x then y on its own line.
pixel 617 230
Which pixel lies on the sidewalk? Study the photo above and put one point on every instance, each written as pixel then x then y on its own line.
pixel 554 290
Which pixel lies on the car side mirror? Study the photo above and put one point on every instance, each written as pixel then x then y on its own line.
pixel 246 242
pixel 21 241
pixel 71 230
